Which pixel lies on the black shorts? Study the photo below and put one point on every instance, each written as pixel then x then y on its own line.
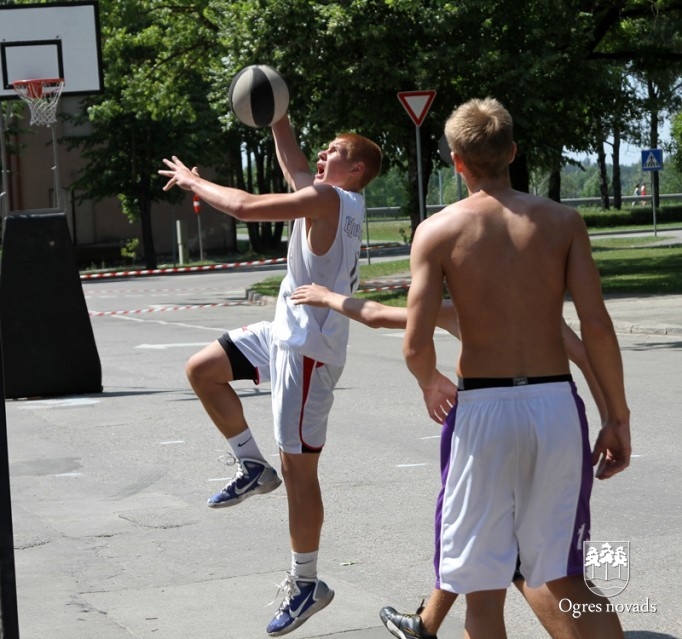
pixel 517 572
pixel 242 368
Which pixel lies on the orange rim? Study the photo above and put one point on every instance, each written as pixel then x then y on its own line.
pixel 36 88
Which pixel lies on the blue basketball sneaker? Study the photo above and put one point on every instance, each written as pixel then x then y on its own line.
pixel 253 477
pixel 302 599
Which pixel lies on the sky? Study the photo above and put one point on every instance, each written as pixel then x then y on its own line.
pixel 630 153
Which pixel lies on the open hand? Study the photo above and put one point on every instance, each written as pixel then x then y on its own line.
pixel 178 174
pixel 312 294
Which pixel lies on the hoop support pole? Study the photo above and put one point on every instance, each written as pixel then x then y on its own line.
pixel 55 170
pixel 4 194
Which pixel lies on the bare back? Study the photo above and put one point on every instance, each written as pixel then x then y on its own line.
pixel 508 258
pixel 504 258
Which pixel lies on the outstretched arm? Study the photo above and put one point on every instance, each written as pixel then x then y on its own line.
pixel 313 202
pixel 373 314
pixel 369 312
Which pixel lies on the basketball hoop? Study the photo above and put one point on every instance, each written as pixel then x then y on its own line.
pixel 42 96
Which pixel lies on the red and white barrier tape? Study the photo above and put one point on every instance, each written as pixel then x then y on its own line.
pixel 198 269
pixel 181 269
pixel 193 307
pixel 160 309
pixel 375 289
pixel 381 247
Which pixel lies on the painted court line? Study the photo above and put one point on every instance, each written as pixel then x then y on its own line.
pixel 163 347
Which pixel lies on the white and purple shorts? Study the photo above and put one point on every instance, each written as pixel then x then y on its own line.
pixel 516 468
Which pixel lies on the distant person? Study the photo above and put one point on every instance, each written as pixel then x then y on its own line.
pixel 637 192
pixel 642 192
pixel 302 351
pixel 516 459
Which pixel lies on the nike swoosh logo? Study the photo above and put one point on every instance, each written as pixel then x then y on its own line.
pixel 244 443
pixel 294 613
pixel 248 486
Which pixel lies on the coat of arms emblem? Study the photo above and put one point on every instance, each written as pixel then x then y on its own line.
pixel 606 566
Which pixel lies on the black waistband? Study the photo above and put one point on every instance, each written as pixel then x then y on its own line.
pixel 472 383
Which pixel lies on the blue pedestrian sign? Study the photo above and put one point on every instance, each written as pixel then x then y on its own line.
pixel 652 160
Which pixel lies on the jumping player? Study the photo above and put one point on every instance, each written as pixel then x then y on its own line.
pixel 302 351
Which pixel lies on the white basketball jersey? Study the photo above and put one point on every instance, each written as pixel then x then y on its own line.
pixel 320 333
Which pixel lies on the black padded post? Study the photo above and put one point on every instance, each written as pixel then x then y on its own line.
pixel 9 617
pixel 49 346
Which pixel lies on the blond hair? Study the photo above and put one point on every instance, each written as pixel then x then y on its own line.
pixel 481 132
pixel 361 149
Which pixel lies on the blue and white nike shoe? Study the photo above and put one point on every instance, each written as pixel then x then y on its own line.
pixel 302 599
pixel 253 477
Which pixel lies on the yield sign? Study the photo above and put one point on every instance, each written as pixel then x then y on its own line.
pixel 417 104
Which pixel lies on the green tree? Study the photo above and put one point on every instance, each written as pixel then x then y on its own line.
pixel 676 142
pixel 557 66
pixel 645 42
pixel 344 64
pixel 389 189
pixel 154 105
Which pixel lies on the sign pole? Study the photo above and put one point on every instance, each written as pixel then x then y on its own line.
pixel 652 160
pixel 417 105
pixel 369 257
pixel 196 203
pixel 420 179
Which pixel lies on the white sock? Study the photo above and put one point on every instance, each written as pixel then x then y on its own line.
pixel 304 564
pixel 244 445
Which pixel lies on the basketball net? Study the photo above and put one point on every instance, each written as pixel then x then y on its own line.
pixel 42 97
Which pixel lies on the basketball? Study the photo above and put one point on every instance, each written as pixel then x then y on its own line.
pixel 258 96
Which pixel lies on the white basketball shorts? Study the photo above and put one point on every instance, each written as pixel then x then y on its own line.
pixel 516 467
pixel 302 388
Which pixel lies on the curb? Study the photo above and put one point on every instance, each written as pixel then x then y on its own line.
pixel 636 329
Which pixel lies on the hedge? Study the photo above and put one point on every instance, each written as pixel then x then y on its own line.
pixel 633 216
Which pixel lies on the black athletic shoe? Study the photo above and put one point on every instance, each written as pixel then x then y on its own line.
pixel 404 626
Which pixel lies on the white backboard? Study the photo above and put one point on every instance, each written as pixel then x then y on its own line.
pixel 55 40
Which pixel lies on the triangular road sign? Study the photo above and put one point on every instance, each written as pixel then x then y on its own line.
pixel 417 104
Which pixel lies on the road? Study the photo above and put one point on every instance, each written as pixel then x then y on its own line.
pixel 113 539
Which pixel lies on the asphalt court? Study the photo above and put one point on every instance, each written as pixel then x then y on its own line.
pixel 113 538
